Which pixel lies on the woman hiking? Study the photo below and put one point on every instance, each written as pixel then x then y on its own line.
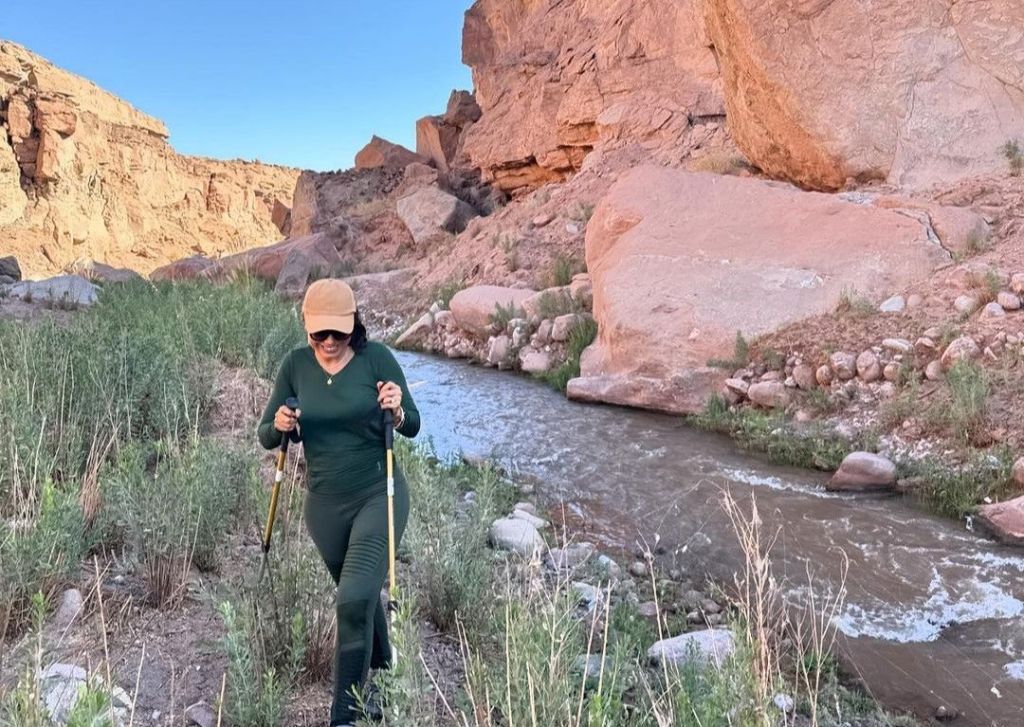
pixel 343 383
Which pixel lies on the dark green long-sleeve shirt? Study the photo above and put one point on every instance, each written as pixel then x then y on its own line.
pixel 341 423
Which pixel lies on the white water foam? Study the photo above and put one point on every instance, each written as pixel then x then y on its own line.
pixel 1016 670
pixel 754 479
pixel 906 623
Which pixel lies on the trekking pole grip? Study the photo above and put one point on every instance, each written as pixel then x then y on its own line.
pixel 389 429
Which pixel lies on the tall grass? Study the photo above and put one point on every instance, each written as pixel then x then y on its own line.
pixel 133 369
pixel 580 336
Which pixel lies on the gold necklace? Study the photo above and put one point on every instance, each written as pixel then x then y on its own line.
pixel 330 377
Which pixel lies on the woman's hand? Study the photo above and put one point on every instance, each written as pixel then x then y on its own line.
pixel 389 396
pixel 285 419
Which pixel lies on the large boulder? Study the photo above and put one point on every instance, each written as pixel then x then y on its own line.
pixel 101 272
pixel 1005 520
pixel 72 291
pixel 680 262
pixel 429 213
pixel 12 196
pixel 473 307
pixel 911 92
pixel 437 140
pixel 309 258
pixel 383 153
pixel 516 535
pixel 555 80
pixel 864 471
pixel 10 269
pixel 710 647
pixel 188 268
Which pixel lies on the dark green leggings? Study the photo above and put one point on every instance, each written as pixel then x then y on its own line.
pixel 351 533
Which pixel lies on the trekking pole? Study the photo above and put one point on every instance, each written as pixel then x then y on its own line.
pixel 389 443
pixel 293 404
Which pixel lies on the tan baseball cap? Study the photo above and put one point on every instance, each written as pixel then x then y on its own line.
pixel 329 305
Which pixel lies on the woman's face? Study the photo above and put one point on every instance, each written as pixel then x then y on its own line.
pixel 329 344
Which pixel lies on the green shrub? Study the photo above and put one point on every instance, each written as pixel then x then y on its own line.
pixel 551 305
pixel 854 303
pixel 1012 151
pixel 503 314
pixel 580 336
pixel 969 389
pixel 178 511
pixel 563 268
pixel 40 550
pixel 740 355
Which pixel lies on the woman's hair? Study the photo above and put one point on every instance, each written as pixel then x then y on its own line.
pixel 358 339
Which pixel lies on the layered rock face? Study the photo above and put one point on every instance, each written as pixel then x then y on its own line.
pixel 85 175
pixel 557 79
pixel 915 92
pixel 681 262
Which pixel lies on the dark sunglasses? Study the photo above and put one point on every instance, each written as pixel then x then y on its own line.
pixel 321 336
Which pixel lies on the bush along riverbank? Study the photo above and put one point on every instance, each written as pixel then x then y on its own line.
pixel 130 591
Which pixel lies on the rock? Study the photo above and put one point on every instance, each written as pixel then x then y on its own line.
pixel 944 713
pixel 543 335
pixel 638 569
pixel 802 112
pixel 533 361
pixel 308 258
pixel 189 268
pixel 891 372
pixel 64 290
pixel 462 109
pixel 784 703
pixel 571 557
pixel 70 608
pixel 281 216
pixel 639 245
pixel 738 387
pixel 1017 283
pixel 914 301
pixel 201 714
pixel 1005 520
pixel 588 666
pixel 924 347
pixel 609 566
pixel 562 326
pixel 516 535
pixel 417 334
pixel 9 267
pixel 1018 473
pixel 62 685
pixel 55 115
pixel 587 594
pixel 966 304
pixel 684 393
pixel 823 375
pixel 383 153
pixel 933 371
pixel 868 367
pixel 804 376
pixel 844 365
pixel 544 77
pixel 582 290
pixel 1008 301
pixel 863 471
pixel 898 345
pixel 558 298
pixel 648 609
pixel 769 394
pixel 430 213
pixel 499 350
pixel 709 606
pixel 537 522
pixel 711 647
pixel 473 307
pixel 993 310
pixel 895 304
pixel 100 273
pixel 437 140
pixel 542 220
pixel 961 349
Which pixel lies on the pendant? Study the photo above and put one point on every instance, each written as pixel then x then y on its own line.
pixel 330 380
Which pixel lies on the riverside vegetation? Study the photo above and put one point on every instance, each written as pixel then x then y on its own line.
pixel 112 455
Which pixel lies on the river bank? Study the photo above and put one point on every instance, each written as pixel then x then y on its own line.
pixel 161 619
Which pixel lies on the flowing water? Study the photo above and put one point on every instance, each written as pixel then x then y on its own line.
pixel 934 614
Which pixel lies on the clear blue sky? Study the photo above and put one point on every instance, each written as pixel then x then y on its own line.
pixel 300 83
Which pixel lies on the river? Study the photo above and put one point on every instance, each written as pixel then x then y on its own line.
pixel 934 614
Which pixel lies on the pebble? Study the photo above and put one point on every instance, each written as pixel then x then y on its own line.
pixel 638 569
